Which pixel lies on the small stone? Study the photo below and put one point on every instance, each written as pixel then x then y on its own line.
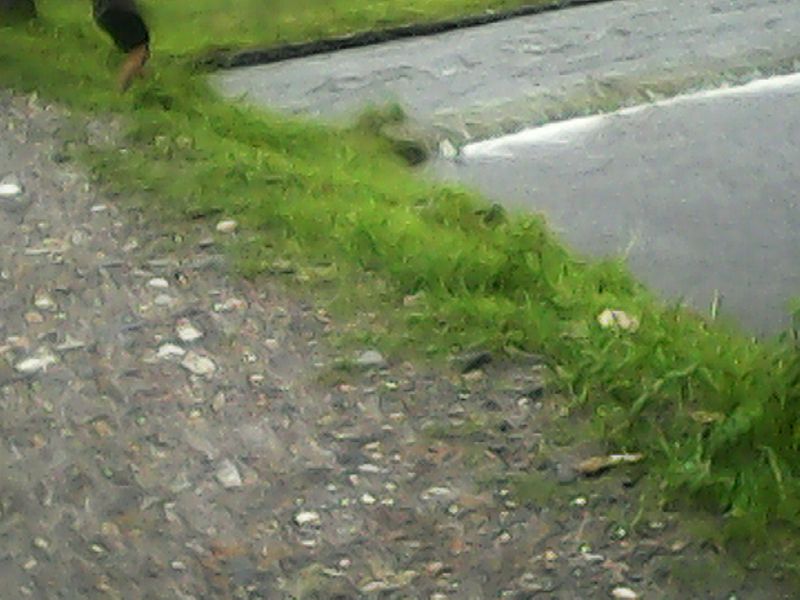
pixel 10 189
pixel 434 569
pixel 158 283
pixel 178 565
pixel 370 358
pixel 218 403
pixel 167 351
pixel 368 499
pixel 98 208
pixel 187 332
pixel 345 563
pixel 436 492
pixel 550 555
pixel 230 305
pixel 35 363
pixel 369 468
pixel 198 365
pixel 623 593
pixel 163 300
pixel 374 586
pixel 206 243
pixel 579 501
pixel 504 537
pixel 30 564
pixel 228 475
pixel 227 226
pixel 69 344
pixel 619 319
pixel 43 301
pixel 41 543
pixel 33 318
pixel 307 517
pixel 438 596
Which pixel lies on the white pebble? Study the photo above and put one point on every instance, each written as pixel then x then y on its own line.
pixel 623 593
pixel 198 365
pixel 187 332
pixel 158 283
pixel 163 300
pixel 43 301
pixel 170 351
pixel 35 363
pixel 10 190
pixel 227 226
pixel 307 517
pixel 228 475
pixel 368 499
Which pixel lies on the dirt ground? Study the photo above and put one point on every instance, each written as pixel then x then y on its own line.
pixel 170 431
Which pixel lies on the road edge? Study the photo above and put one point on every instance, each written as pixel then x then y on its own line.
pixel 229 59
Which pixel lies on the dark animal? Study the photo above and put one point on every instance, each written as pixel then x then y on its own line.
pixel 122 20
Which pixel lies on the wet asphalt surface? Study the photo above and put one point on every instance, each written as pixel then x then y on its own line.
pixel 700 196
pixel 474 80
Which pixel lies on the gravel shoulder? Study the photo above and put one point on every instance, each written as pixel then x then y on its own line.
pixel 169 431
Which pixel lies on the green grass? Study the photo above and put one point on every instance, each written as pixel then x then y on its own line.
pixel 364 233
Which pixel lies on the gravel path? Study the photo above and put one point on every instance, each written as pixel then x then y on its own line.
pixel 170 432
pixel 490 79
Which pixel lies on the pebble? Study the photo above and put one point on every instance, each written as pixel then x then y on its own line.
pixel 187 332
pixel 368 499
pixel 307 517
pixel 371 358
pixel 623 593
pixel 43 301
pixel 170 351
pixel 218 403
pixel 10 190
pixel 436 492
pixel 32 317
pixel 35 363
pixel 227 226
pixel 374 586
pixel 198 365
pixel 158 283
pixel 98 208
pixel 617 318
pixel 228 475
pixel 178 565
pixel 164 300
pixel 30 564
pixel 369 468
pixel 41 543
pixel 229 305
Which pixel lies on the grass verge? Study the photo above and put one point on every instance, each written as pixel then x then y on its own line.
pixel 716 413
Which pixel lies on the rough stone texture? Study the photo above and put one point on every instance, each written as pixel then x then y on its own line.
pixel 124 475
pixel 471 81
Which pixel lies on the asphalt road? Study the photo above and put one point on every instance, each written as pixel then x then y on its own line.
pixel 700 192
pixel 496 77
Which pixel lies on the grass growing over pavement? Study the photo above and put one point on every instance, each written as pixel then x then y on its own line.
pixel 716 413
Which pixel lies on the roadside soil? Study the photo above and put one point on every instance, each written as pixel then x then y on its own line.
pixel 171 431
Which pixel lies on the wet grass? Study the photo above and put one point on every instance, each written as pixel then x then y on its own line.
pixel 716 413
